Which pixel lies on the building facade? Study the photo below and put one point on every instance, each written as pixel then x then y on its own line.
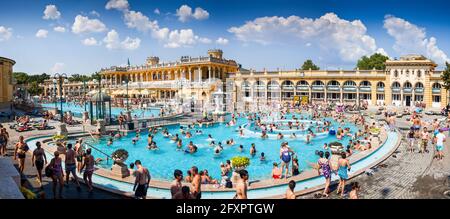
pixel 6 81
pixel 409 81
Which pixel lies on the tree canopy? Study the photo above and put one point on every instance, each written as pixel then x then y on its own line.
pixel 24 78
pixel 446 76
pixel 376 61
pixel 308 64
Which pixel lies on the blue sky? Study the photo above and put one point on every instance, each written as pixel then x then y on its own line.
pixel 82 36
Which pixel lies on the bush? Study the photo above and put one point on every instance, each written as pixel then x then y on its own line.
pixel 59 137
pixel 239 161
pixel 335 143
pixel 120 154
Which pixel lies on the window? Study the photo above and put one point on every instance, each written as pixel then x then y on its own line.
pixel 380 96
pixel 418 98
pixel 419 73
pixel 437 99
pixel 396 97
pixel 395 73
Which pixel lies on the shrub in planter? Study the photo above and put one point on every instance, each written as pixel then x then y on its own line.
pixel 239 162
pixel 120 156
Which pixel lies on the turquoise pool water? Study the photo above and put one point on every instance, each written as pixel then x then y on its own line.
pixel 254 193
pixel 162 162
pixel 115 111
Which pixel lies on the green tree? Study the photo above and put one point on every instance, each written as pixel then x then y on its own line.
pixel 308 64
pixel 446 78
pixel 21 77
pixel 35 89
pixel 79 78
pixel 376 61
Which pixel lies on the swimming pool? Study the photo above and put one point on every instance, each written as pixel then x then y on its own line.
pixel 162 162
pixel 78 110
pixel 359 165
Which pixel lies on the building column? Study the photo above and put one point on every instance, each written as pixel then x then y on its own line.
pixel 190 74
pixel 183 74
pixel 310 94
pixel 209 73
pixel 199 74
pixel 373 93
pixel 427 93
pixel 341 95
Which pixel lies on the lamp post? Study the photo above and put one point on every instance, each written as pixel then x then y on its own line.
pixel 84 91
pixel 100 81
pixel 60 79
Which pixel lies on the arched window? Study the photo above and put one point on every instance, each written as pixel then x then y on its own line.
pixel 380 85
pixel 396 85
pixel 407 85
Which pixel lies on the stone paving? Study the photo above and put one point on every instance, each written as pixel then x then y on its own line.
pixel 404 175
pixel 30 172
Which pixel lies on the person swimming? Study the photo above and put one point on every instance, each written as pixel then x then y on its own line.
pixel 262 157
pixel 253 149
pixel 110 142
pixel 241 148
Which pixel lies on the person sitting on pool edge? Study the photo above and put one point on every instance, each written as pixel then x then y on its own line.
pixel 276 171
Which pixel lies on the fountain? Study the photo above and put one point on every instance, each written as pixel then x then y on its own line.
pixel 218 104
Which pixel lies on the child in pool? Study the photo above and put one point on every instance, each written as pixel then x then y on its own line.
pixel 262 158
pixel 110 141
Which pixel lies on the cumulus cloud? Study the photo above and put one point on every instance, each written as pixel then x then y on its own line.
pixel 83 24
pixel 409 38
pixel 156 11
pixel 184 13
pixel 51 13
pixel 41 33
pixel 222 41
pixel 94 13
pixel 57 68
pixel 112 41
pixel 332 34
pixel 171 38
pixel 121 5
pixel 60 29
pixel 90 42
pixel 5 33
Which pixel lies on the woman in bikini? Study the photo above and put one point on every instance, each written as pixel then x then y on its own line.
pixel 20 152
pixel 57 174
pixel 89 163
pixel 324 166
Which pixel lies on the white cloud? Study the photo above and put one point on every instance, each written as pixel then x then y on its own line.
pixel 5 33
pixel 51 13
pixel 410 38
pixel 156 11
pixel 382 52
pixel 121 5
pixel 222 41
pixel 333 35
pixel 90 42
pixel 94 13
pixel 60 29
pixel 112 41
pixel 83 24
pixel 170 38
pixel 42 33
pixel 200 14
pixel 184 13
pixel 135 19
pixel 57 68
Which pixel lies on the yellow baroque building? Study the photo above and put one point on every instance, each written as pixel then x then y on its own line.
pixel 409 81
pixel 188 78
pixel 6 81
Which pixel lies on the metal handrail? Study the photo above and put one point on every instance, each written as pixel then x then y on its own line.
pixel 107 155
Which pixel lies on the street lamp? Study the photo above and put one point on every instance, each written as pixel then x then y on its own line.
pixel 100 81
pixel 84 91
pixel 60 79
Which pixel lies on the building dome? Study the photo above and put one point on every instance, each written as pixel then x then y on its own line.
pixel 96 97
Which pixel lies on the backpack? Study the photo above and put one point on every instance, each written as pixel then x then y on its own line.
pixel 48 170
pixel 229 184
